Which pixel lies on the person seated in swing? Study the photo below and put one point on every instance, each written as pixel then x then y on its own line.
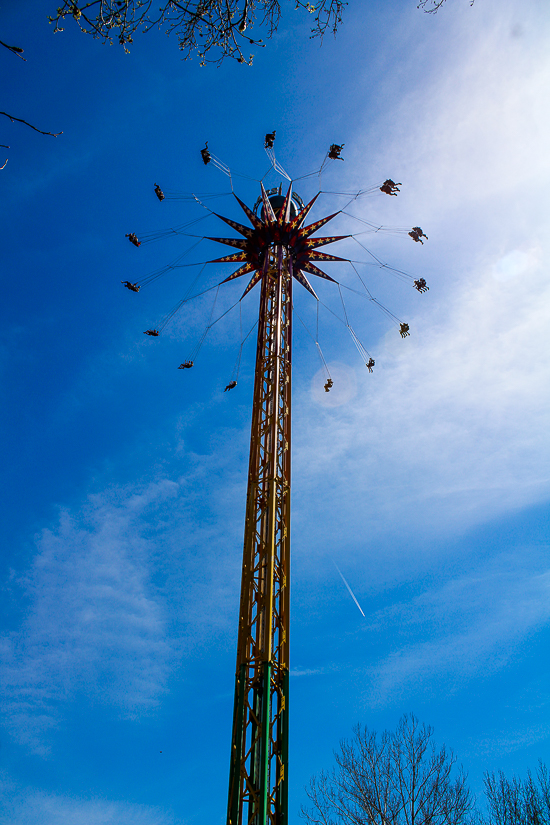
pixel 421 285
pixel 389 187
pixel 154 332
pixel 404 330
pixel 205 154
pixel 158 192
pixel 270 139
pixel 329 384
pixel 186 365
pixel 416 234
pixel 132 237
pixel 230 386
pixel 334 152
pixel 133 287
pixel 370 364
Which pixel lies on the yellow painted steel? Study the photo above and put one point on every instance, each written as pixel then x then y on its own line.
pixel 259 751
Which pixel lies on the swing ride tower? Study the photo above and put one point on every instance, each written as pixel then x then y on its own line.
pixel 277 249
pixel 259 746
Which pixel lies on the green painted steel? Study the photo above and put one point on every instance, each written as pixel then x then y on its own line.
pixel 235 768
pixel 278 248
pixel 283 788
pixel 264 757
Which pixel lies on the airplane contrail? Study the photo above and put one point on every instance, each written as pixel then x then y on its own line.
pixel 350 591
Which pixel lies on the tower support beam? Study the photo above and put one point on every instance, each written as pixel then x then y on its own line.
pixel 258 792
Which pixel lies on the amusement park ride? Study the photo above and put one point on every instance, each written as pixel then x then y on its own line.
pixel 276 250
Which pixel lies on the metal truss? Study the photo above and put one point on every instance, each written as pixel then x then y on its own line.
pixel 258 793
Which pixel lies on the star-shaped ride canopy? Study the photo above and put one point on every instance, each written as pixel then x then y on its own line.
pixel 278 230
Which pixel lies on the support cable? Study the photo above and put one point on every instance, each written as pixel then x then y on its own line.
pixel 237 367
pixel 167 318
pixel 370 297
pixel 395 230
pixel 402 276
pixel 362 281
pixel 317 323
pixel 189 196
pixel 343 305
pixel 315 340
pixel 379 263
pixel 351 200
pixel 175 264
pixel 360 348
pixel 309 175
pixel 370 190
pixel 324 163
pixel 212 323
pixel 205 333
pixel 160 234
pixel 270 152
pixel 219 164
pixel 186 298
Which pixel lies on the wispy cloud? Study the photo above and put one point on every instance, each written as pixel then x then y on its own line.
pixel 94 622
pixel 453 430
pixel 120 589
pixel 511 739
pixel 472 622
pixel 32 807
pixel 452 427
pixel 298 672
pixel 466 124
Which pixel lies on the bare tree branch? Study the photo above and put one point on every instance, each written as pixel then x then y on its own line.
pixel 433 6
pixel 15 50
pixel 399 778
pixel 517 802
pixel 19 120
pixel 211 29
pixel 18 51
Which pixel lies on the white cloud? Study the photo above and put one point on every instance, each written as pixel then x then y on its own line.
pixel 510 740
pixel 32 807
pixel 94 623
pixel 514 264
pixel 123 587
pixel 452 428
pixel 297 672
pixel 465 121
pixel 482 617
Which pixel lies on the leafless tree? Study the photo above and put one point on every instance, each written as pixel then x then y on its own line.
pixel 398 778
pixel 517 802
pixel 18 51
pixel 432 6
pixel 212 29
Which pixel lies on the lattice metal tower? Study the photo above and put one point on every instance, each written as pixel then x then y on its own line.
pixel 277 249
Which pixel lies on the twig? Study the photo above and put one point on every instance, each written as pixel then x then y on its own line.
pixel 15 50
pixel 19 120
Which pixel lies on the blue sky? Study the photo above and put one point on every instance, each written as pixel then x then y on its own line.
pixel 124 480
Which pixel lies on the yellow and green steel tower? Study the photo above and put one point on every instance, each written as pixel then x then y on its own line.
pixel 276 248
